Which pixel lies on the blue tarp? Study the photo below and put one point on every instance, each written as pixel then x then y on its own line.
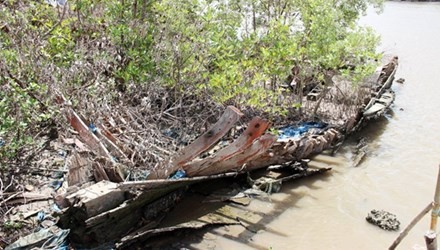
pixel 179 174
pixel 300 129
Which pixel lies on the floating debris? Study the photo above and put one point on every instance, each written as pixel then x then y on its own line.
pixel 384 220
pixel 400 80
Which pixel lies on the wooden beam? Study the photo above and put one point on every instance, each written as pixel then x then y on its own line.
pixel 255 129
pixel 201 144
pixel 89 138
pixel 259 147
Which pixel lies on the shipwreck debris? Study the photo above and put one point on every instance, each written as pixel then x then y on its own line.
pixel 113 195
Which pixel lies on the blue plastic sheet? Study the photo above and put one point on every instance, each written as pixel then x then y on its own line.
pixel 178 175
pixel 56 184
pixel 300 129
pixel 93 128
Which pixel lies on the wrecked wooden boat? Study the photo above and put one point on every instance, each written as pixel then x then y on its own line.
pixel 384 97
pixel 118 205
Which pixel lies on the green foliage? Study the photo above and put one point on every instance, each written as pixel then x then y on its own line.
pixel 12 225
pixel 131 33
pixel 237 52
pixel 242 52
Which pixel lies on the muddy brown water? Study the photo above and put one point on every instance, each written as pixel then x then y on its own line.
pixel 398 175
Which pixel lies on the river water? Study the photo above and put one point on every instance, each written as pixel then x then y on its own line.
pixel 398 175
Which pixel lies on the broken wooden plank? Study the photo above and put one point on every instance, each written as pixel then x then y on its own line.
pixel 23 198
pixel 105 132
pixel 99 172
pixel 89 138
pixel 107 138
pixel 80 170
pixel 152 184
pixel 209 138
pixel 201 144
pixel 259 147
pixel 97 198
pixel 255 129
pixel 221 216
pixel 292 150
pixel 113 171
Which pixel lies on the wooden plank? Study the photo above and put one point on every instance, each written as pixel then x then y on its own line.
pixel 153 184
pixel 209 138
pixel 255 129
pixel 97 198
pixel 113 170
pixel 114 146
pixel 79 170
pixel 259 147
pixel 201 144
pixel 99 172
pixel 89 138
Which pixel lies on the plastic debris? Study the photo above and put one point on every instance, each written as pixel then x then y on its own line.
pixel 300 129
pixel 43 239
pixel 178 174
pixel 171 132
pixel 40 216
pixel 2 142
pixel 56 208
pixel 54 3
pixel 93 128
pixel 56 184
pixel 62 153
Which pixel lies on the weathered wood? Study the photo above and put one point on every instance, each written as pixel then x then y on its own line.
pixel 105 132
pixel 405 232
pixel 79 170
pixel 220 216
pixel 436 207
pixel 291 150
pixel 110 145
pixel 113 170
pixel 97 198
pixel 255 129
pixel 258 147
pixel 201 144
pixel 152 184
pixel 99 172
pixel 23 198
pixel 431 240
pixel 209 138
pixel 89 138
